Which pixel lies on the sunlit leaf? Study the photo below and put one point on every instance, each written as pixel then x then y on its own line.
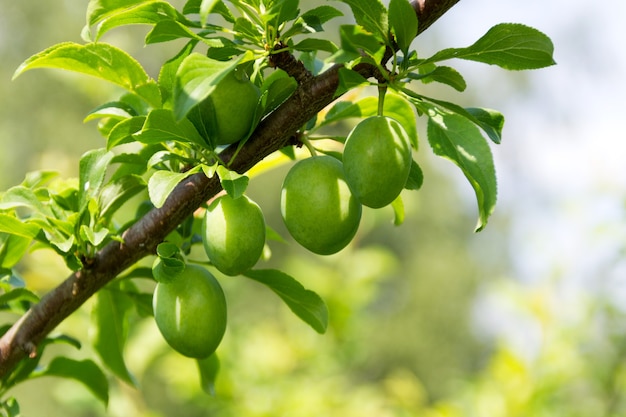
pixel 12 249
pixel 371 15
pixel 116 193
pixel 444 75
pixel 92 169
pixel 100 9
pixel 123 131
pixel 403 21
pixel 233 183
pixel 280 11
pixel 456 138
pixel 100 60
pixel 147 12
pixel 160 126
pixel 398 211
pixel 161 184
pixel 511 46
pixel 14 226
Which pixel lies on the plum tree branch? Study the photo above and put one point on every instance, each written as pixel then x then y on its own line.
pixel 140 240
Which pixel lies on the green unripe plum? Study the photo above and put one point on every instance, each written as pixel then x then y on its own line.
pixel 190 312
pixel 377 160
pixel 234 101
pixel 317 206
pixel 233 234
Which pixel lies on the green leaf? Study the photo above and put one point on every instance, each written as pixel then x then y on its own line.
pixel 18 294
pixel 312 20
pixel 312 44
pixel 38 178
pixel 416 177
pixel 21 196
pixel 201 6
pixel 196 78
pixel 304 303
pixel 208 369
pixel 403 22
pixel 511 46
pixel 348 80
pixel 92 170
pixel 232 182
pixel 245 29
pixel 14 226
pixel 280 11
pixel 98 10
pixel 169 30
pixel 110 329
pixel 490 121
pixel 12 407
pixel 355 41
pixel 123 131
pixel 147 12
pixel 117 109
pixel 444 75
pixel 167 269
pixel 161 126
pixel 371 15
pixel 24 368
pixel 100 60
pixel 86 372
pixel 454 137
pixel 12 249
pixel 398 211
pixel 161 184
pixel 117 193
pixel 168 265
pixel 398 108
pixel 317 16
pixel 206 7
pixel 279 87
pixel 95 237
pixel 167 75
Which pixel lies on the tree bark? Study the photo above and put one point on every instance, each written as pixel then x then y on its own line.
pixel 140 240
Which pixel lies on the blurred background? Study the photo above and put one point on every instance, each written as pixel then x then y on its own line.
pixel 428 319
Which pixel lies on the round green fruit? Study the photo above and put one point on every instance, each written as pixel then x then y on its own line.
pixel 190 312
pixel 377 160
pixel 317 206
pixel 233 234
pixel 234 101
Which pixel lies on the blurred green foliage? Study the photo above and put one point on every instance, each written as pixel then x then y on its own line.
pixel 405 303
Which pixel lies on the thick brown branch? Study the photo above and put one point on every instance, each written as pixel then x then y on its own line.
pixel 429 11
pixel 274 132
